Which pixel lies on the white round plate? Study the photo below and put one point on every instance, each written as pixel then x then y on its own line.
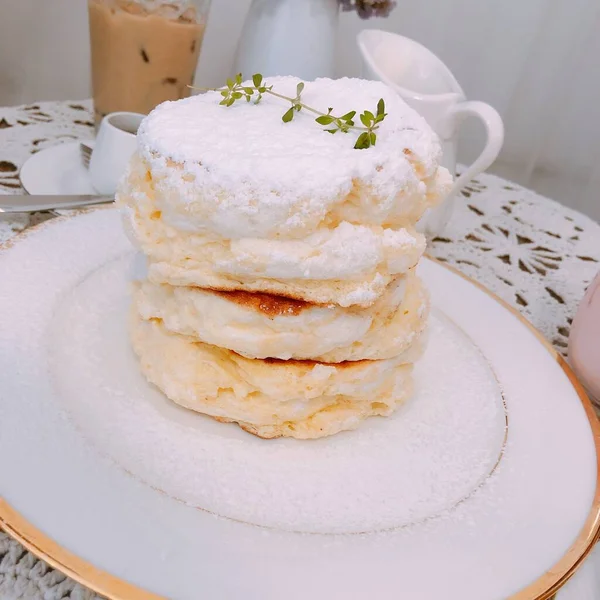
pixel 104 478
pixel 57 170
pixel 586 583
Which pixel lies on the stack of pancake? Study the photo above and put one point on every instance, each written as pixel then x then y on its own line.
pixel 281 291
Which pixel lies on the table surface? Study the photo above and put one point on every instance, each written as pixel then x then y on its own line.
pixel 534 253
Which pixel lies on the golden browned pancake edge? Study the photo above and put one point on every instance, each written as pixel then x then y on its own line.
pixel 268 304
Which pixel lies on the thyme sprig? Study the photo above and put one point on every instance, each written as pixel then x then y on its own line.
pixel 236 90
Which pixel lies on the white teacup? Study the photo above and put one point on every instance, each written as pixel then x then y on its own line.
pixel 115 143
pixel 426 84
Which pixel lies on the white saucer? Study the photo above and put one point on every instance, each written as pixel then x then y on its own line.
pixel 85 442
pixel 57 170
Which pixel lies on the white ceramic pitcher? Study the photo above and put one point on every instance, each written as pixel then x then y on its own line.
pixel 426 84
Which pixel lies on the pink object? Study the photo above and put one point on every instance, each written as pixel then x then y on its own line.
pixel 584 342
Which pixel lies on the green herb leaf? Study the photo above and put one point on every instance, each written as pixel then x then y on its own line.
pixel 331 130
pixel 249 90
pixel 230 84
pixel 324 120
pixel 288 116
pixel 365 120
pixel 348 116
pixel 238 78
pixel 224 102
pixel 224 93
pixel 363 141
pixel 369 115
pixel 236 95
pixel 230 102
pixel 380 107
pixel 257 79
pixel 299 88
pixel 372 138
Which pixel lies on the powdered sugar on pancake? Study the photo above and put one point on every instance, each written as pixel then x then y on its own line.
pixel 240 171
pixel 346 252
pixel 346 264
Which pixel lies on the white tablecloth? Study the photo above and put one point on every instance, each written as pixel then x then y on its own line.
pixel 534 253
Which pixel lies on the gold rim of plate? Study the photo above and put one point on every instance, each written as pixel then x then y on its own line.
pixel 105 584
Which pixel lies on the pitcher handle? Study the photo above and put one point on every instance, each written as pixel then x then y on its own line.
pixel 495 138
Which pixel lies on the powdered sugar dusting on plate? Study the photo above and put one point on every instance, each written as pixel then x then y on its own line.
pixel 433 452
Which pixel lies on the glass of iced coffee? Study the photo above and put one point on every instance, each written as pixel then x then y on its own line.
pixel 143 52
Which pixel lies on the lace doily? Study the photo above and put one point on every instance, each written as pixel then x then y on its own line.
pixel 534 253
pixel 531 251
